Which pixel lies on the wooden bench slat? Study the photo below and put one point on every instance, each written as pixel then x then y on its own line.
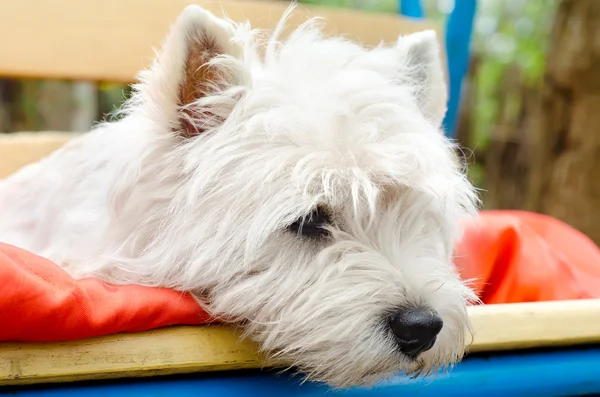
pixel 20 149
pixel 111 40
pixel 178 350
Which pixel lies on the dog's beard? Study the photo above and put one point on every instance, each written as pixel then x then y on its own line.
pixel 333 329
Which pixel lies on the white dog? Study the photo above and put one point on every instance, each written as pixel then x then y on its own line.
pixel 301 189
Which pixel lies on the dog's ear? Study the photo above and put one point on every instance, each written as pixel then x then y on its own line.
pixel 422 69
pixel 198 75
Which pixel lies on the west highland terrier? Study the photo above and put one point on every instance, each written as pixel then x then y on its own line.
pixel 300 188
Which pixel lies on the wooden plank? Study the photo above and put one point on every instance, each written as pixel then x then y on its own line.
pixel 572 372
pixel 20 149
pixel 182 349
pixel 167 351
pixel 533 325
pixel 111 40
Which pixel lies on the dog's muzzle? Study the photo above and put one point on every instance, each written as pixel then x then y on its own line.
pixel 415 330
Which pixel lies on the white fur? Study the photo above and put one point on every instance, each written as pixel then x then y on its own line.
pixel 314 120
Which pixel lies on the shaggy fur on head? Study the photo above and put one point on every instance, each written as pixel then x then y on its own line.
pixel 231 142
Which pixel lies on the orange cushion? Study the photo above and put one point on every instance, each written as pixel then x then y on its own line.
pixel 515 256
pixel 40 302
pixel 526 257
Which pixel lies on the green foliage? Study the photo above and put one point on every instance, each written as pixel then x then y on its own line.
pixel 510 37
pixel 111 97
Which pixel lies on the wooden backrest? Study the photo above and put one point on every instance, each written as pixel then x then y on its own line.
pixel 103 40
pixel 99 40
pixel 20 149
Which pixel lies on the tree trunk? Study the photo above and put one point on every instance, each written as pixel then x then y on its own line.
pixel 507 161
pixel 565 176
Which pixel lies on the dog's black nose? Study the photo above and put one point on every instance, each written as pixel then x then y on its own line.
pixel 415 330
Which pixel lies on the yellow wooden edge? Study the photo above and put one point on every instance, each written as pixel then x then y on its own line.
pixel 186 349
pixel 166 351
pixel 112 40
pixel 532 325
pixel 20 149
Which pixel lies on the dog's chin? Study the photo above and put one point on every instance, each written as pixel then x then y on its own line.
pixel 431 363
pixel 343 366
pixel 425 366
pixel 372 379
pixel 414 369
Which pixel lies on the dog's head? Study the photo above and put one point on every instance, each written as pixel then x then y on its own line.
pixel 310 194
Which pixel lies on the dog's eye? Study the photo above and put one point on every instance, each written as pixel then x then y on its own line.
pixel 313 224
